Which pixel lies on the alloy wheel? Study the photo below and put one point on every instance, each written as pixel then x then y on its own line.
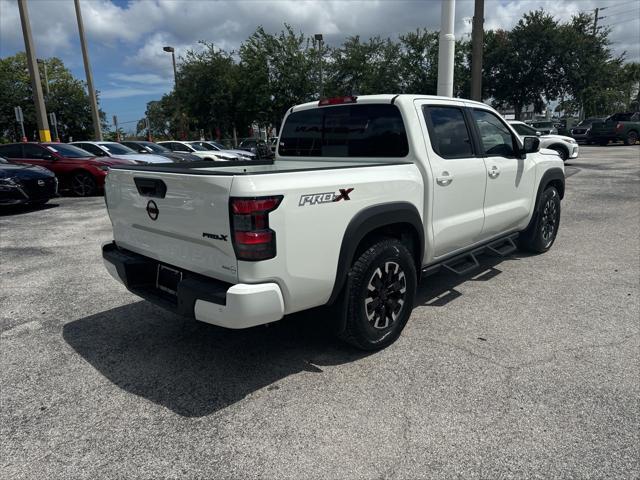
pixel 386 292
pixel 82 185
pixel 549 219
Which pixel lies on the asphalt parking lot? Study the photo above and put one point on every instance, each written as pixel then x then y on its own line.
pixel 528 368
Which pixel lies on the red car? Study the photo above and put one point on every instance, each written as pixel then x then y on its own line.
pixel 76 169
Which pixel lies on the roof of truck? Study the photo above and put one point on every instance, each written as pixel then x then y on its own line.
pixel 388 98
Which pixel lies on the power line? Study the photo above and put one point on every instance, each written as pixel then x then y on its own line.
pixel 627 12
pixel 618 5
pixel 625 21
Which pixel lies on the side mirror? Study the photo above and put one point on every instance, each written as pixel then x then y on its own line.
pixel 538 133
pixel 530 145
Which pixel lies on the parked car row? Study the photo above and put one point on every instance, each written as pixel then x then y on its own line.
pixel 31 172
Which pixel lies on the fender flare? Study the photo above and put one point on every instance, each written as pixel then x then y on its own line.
pixel 547 177
pixel 364 222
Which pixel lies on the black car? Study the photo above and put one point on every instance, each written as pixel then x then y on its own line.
pixel 21 183
pixel 144 146
pixel 257 146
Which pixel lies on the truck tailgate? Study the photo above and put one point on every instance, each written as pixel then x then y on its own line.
pixel 177 218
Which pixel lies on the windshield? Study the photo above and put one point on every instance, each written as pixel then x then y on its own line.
pixel 117 149
pixel 588 121
pixel 69 151
pixel 523 129
pixel 204 145
pixel 217 145
pixel 154 147
pixel 542 124
pixel 197 147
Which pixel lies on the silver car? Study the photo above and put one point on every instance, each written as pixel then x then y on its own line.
pixel 566 147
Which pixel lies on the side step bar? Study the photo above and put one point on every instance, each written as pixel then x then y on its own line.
pixel 466 262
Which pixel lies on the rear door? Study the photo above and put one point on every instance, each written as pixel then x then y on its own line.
pixel 180 219
pixel 510 179
pixel 459 177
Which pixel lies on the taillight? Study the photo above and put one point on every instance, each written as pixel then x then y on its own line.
pixel 619 127
pixel 251 235
pixel 337 100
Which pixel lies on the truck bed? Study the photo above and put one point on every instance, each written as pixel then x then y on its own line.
pixel 252 167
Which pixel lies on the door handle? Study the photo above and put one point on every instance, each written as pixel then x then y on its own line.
pixel 445 179
pixel 494 172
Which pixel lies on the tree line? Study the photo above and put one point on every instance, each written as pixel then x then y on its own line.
pixel 220 92
pixel 538 61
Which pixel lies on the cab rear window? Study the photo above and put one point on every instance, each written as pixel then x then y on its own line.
pixel 374 130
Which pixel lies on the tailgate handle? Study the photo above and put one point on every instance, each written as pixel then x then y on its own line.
pixel 150 187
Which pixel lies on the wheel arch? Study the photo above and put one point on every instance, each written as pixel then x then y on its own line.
pixel 399 220
pixel 553 177
pixel 559 146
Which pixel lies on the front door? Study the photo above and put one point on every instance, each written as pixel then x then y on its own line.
pixel 456 193
pixel 510 179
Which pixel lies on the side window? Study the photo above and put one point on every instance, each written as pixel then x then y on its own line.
pixel 496 139
pixel 92 149
pixel 11 151
pixel 448 132
pixel 36 152
pixel 178 147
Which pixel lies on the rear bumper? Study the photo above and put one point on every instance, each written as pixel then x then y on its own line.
pixel 203 298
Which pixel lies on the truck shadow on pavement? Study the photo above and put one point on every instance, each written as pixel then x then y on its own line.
pixel 195 369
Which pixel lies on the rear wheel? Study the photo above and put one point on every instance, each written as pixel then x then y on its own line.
pixel 631 138
pixel 380 292
pixel 83 184
pixel 542 232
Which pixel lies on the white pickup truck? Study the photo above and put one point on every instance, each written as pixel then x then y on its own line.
pixel 365 196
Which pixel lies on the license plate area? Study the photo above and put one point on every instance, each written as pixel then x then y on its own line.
pixel 167 279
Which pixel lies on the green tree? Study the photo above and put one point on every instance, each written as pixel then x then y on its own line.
pixel 364 68
pixel 521 66
pixel 67 99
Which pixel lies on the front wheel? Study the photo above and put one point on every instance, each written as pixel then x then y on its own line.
pixel 542 232
pixel 564 154
pixel 380 292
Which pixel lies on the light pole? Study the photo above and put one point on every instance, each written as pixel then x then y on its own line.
pixel 318 37
pixel 172 51
pixel 97 131
pixel 32 64
pixel 446 49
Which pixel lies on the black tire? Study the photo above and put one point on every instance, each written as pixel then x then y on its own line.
pixel 563 152
pixel 542 231
pixel 379 294
pixel 83 184
pixel 631 138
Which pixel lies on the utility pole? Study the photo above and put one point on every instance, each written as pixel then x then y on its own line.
pixel 97 131
pixel 53 121
pixel 318 37
pixel 46 76
pixel 41 113
pixel 446 49
pixel 477 43
pixel 595 21
pixel 115 124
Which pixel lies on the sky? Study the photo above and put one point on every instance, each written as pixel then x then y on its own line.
pixel 125 38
